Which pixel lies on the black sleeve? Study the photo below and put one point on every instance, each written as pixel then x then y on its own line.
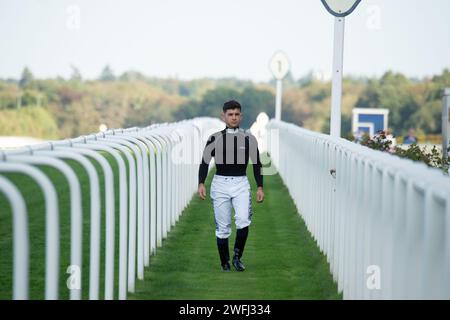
pixel 208 153
pixel 256 161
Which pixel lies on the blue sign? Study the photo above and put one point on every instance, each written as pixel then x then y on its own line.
pixel 370 120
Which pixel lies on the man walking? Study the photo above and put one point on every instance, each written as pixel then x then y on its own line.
pixel 231 148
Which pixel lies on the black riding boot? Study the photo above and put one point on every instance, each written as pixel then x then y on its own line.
pixel 222 246
pixel 241 238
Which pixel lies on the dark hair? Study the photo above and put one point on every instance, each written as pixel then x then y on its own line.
pixel 230 105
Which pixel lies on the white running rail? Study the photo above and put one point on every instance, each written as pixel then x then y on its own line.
pixel 382 222
pixel 159 183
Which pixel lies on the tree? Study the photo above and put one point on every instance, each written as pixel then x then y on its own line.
pixel 253 102
pixel 213 100
pixel 76 74
pixel 107 74
pixel 26 79
pixel 130 76
pixel 394 92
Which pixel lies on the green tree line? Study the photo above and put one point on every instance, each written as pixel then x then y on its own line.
pixel 62 108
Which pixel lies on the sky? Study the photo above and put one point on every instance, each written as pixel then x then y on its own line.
pixel 219 38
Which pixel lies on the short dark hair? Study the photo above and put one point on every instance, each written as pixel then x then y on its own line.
pixel 230 105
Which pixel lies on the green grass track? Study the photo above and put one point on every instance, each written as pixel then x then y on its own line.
pixel 282 260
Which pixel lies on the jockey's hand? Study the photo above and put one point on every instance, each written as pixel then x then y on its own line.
pixel 260 195
pixel 202 191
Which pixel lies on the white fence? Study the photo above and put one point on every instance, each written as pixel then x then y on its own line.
pixel 382 222
pixel 159 183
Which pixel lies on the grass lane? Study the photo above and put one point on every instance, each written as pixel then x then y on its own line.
pixel 282 259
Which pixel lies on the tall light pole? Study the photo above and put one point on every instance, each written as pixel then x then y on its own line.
pixel 279 65
pixel 339 9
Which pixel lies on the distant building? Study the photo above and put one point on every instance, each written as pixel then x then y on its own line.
pixel 320 75
pixel 316 76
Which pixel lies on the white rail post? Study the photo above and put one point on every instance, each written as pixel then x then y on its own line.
pixel 87 149
pixel 149 163
pixel 20 239
pixel 161 198
pixel 76 217
pixel 174 166
pixel 170 205
pixel 51 223
pixel 125 140
pixel 94 259
pixel 109 217
pixel 154 148
pixel 148 155
pixel 179 163
pixel 136 145
pixel 165 179
pixel 132 207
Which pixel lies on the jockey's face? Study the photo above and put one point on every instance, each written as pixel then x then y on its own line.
pixel 232 117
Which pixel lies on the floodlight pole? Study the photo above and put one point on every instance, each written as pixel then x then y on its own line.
pixel 278 99
pixel 445 121
pixel 336 89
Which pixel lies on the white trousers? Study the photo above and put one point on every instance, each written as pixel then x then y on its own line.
pixel 228 192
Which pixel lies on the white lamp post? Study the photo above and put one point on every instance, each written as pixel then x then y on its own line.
pixel 279 65
pixel 339 9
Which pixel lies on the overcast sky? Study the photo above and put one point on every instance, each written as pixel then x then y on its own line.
pixel 219 38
